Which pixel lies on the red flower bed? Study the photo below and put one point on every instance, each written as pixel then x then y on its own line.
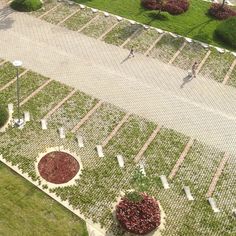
pixel 138 217
pixel 221 13
pixel 58 167
pixel 176 7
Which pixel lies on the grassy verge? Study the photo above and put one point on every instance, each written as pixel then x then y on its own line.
pixel 79 19
pixel 191 52
pixel 143 40
pixel 60 13
pixel 97 27
pixel 217 65
pixel 195 23
pixel 25 210
pixel 7 73
pixel 166 48
pixel 29 82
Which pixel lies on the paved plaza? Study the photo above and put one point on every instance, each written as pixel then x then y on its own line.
pixel 202 108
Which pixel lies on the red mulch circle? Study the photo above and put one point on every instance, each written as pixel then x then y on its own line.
pixel 58 167
pixel 140 217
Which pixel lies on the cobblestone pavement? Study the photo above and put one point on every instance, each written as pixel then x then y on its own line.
pixel 203 108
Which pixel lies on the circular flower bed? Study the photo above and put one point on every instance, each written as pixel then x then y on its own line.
pixel 138 213
pixel 58 167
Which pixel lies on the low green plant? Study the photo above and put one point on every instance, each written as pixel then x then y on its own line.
pixel 3 115
pixel 26 5
pixel 226 31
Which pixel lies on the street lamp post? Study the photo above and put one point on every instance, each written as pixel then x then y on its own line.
pixel 17 64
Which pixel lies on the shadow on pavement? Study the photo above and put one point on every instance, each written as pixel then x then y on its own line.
pixel 186 80
pixel 5 20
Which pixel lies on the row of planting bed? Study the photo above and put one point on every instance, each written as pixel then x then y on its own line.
pixel 215 67
pixel 102 179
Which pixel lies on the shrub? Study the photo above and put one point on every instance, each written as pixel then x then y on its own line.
pixel 138 213
pixel 221 13
pixel 173 7
pixel 226 31
pixel 26 5
pixel 176 7
pixel 3 116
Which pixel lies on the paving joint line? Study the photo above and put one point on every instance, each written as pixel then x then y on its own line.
pixel 60 104
pixel 35 92
pixel 109 30
pixel 217 175
pixel 86 117
pixel 115 130
pixel 227 76
pixel 203 61
pixel 177 53
pixel 13 80
pixel 131 36
pixel 181 159
pixel 147 143
pixel 45 13
pixel 154 44
pixel 89 22
pixel 61 22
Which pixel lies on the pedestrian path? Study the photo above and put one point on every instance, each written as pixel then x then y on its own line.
pixel 202 109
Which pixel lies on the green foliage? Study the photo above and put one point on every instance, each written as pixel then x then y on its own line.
pixel 3 116
pixel 26 5
pixel 226 31
pixel 133 196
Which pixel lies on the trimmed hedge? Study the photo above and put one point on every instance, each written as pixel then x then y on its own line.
pixel 26 5
pixel 3 116
pixel 221 13
pixel 226 31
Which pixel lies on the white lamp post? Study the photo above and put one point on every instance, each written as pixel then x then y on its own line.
pixel 17 64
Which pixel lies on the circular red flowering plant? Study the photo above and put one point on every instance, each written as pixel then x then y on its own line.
pixel 58 167
pixel 138 213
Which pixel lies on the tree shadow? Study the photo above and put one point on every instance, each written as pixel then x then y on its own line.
pixel 6 21
pixel 156 16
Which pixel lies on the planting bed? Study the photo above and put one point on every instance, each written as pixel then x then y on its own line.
pixel 58 167
pixel 121 33
pixel 7 73
pixel 166 47
pixel 164 151
pixel 102 179
pixel 198 168
pixel 217 65
pixel 79 19
pixel 29 82
pixel 60 13
pixel 225 191
pixel 97 27
pixel 70 113
pixel 40 104
pixel 143 40
pixel 191 52
pixel 232 78
pixel 48 5
pixel 100 124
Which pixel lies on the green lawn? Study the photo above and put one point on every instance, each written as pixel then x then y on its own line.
pixel 25 210
pixel 195 23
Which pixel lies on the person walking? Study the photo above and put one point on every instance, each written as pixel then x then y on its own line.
pixel 194 69
pixel 131 53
